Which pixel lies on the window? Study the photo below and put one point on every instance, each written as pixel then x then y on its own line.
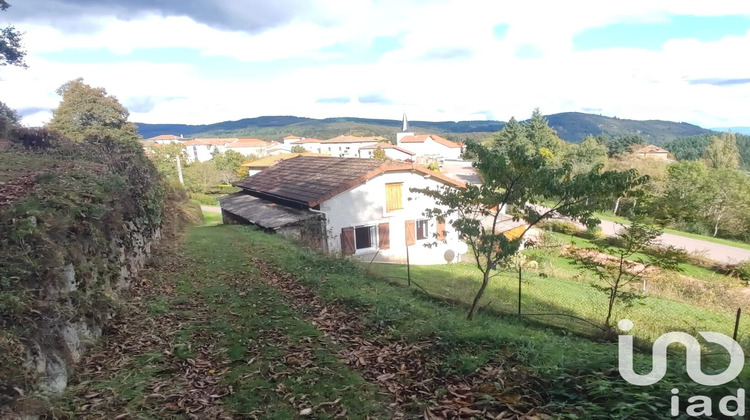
pixel 364 236
pixel 393 197
pixel 423 230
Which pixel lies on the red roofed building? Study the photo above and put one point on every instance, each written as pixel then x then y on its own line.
pixel 359 207
pixel 205 149
pixel 248 147
pixel 427 145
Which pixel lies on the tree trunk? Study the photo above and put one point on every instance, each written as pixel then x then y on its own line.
pixel 520 268
pixel 475 304
pixel 716 226
pixel 617 205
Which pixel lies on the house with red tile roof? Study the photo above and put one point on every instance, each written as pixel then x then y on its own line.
pixel 391 151
pixel 653 152
pixel 204 149
pixel 358 207
pixel 427 145
pixel 166 138
pixel 347 146
pixel 251 147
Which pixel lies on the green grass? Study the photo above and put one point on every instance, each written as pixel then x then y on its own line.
pixel 210 218
pixel 577 366
pixel 617 219
pixel 690 270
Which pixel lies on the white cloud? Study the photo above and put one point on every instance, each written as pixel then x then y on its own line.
pixel 628 83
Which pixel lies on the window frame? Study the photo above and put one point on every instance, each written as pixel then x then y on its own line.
pixel 425 223
pixel 373 238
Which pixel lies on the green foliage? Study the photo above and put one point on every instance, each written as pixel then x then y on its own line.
pixel 694 148
pixel 164 157
pixel 433 166
pixel 298 149
pixel 521 172
pixel 87 112
pixel 617 275
pixel 561 226
pixel 11 50
pixel 379 154
pixel 722 152
pixel 229 165
pixel 743 270
pixel 620 145
pixel 9 119
pixel 587 155
pixel 202 177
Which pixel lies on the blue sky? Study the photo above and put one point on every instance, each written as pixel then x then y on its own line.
pixel 172 61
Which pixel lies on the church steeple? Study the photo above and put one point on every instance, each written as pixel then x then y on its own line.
pixel 405 125
pixel 404 130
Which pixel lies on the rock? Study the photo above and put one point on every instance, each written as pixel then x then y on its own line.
pixel 305 412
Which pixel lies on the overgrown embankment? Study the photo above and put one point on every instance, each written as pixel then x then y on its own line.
pixel 77 220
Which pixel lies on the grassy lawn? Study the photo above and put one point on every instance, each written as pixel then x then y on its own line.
pixel 548 294
pixel 211 320
pixel 210 218
pixel 612 218
pixel 690 270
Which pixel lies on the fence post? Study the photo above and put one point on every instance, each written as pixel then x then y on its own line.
pixel 736 324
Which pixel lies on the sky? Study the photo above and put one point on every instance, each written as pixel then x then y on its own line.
pixel 198 62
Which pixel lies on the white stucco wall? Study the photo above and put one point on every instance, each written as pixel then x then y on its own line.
pixel 247 151
pixel 203 153
pixel 365 205
pixel 343 149
pixel 432 148
pixel 389 153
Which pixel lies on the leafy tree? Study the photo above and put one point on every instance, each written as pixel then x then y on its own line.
pixel 519 175
pixel 9 118
pixel 722 152
pixel 379 154
pixel 620 145
pixel 725 198
pixel 202 177
pixel 86 111
pixel 683 192
pixel 229 165
pixel 587 155
pixel 298 149
pixel 620 272
pixel 512 131
pixel 11 50
pixel 544 137
pixel 164 157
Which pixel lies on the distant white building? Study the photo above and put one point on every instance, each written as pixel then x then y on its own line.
pixel 391 151
pixel 166 139
pixel 248 147
pixel 347 146
pixel 309 144
pixel 202 150
pixel 427 145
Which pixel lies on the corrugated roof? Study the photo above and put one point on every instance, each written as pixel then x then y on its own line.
pixel 421 138
pixel 310 180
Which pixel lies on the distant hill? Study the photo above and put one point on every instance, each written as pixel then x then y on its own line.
pixel 575 126
pixel 571 126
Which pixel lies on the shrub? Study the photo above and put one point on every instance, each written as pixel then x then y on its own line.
pixel 593 233
pixel 743 270
pixel 561 226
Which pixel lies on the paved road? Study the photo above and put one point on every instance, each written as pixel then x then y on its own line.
pixel 717 252
pixel 211 209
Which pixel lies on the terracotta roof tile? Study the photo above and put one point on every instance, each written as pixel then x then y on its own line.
pixel 385 145
pixel 310 180
pixel 249 143
pixel 353 139
pixel 209 142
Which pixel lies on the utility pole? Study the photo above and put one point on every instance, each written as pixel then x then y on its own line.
pixel 179 170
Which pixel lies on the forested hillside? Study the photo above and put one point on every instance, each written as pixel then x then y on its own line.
pixel 571 126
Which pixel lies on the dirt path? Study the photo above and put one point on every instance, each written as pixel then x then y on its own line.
pixel 217 332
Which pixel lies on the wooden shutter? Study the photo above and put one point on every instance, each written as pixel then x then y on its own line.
pixel 384 236
pixel 347 241
pixel 411 232
pixel 440 230
pixel 393 197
